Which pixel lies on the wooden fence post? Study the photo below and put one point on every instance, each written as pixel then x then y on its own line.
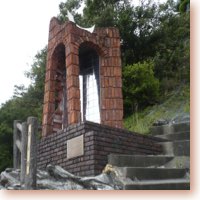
pixel 31 160
pixel 24 141
pixel 16 145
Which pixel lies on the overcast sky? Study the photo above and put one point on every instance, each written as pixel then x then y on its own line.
pixel 24 32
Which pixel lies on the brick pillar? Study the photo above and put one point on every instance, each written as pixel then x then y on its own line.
pixel 111 82
pixel 73 93
pixel 49 100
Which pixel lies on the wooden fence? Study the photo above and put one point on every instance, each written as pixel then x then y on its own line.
pixel 25 151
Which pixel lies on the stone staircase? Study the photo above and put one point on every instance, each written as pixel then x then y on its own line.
pixel 169 171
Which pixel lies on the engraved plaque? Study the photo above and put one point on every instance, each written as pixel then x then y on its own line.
pixel 75 147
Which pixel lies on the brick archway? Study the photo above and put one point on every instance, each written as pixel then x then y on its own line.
pixel 106 42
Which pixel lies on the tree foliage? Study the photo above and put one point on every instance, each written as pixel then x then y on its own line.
pixel 183 6
pixel 172 57
pixel 149 30
pixel 140 86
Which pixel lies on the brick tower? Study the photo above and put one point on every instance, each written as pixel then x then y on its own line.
pixel 83 77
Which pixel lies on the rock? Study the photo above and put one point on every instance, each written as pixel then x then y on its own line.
pixel 9 170
pixel 161 122
pixel 56 178
pixel 94 183
pixel 9 178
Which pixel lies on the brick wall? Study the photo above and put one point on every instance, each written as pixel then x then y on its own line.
pixel 99 142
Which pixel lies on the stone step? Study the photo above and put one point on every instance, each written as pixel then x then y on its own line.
pixel 169 184
pixel 181 127
pixel 179 162
pixel 144 173
pixel 138 160
pixel 176 148
pixel 170 128
pixel 175 136
pixel 169 171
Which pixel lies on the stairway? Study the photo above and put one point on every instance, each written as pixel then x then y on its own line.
pixel 169 171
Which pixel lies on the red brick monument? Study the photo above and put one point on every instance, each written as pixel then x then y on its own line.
pixel 83 77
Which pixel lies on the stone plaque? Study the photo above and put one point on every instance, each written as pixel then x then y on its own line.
pixel 75 147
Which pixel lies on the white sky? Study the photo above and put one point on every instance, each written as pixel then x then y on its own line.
pixel 24 31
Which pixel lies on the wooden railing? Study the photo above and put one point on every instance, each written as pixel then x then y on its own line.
pixel 25 151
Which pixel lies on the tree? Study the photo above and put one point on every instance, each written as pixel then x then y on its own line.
pixel 141 88
pixel 9 112
pixel 72 6
pixel 35 94
pixel 183 6
pixel 172 56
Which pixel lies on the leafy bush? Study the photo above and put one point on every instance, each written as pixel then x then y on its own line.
pixel 140 87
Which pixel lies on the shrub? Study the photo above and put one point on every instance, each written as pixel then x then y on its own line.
pixel 140 87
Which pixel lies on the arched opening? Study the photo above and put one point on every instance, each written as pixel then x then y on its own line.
pixel 59 118
pixel 89 81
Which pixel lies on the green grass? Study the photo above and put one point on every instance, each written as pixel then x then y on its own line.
pixel 174 104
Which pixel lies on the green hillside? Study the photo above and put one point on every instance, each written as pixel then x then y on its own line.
pixel 175 104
